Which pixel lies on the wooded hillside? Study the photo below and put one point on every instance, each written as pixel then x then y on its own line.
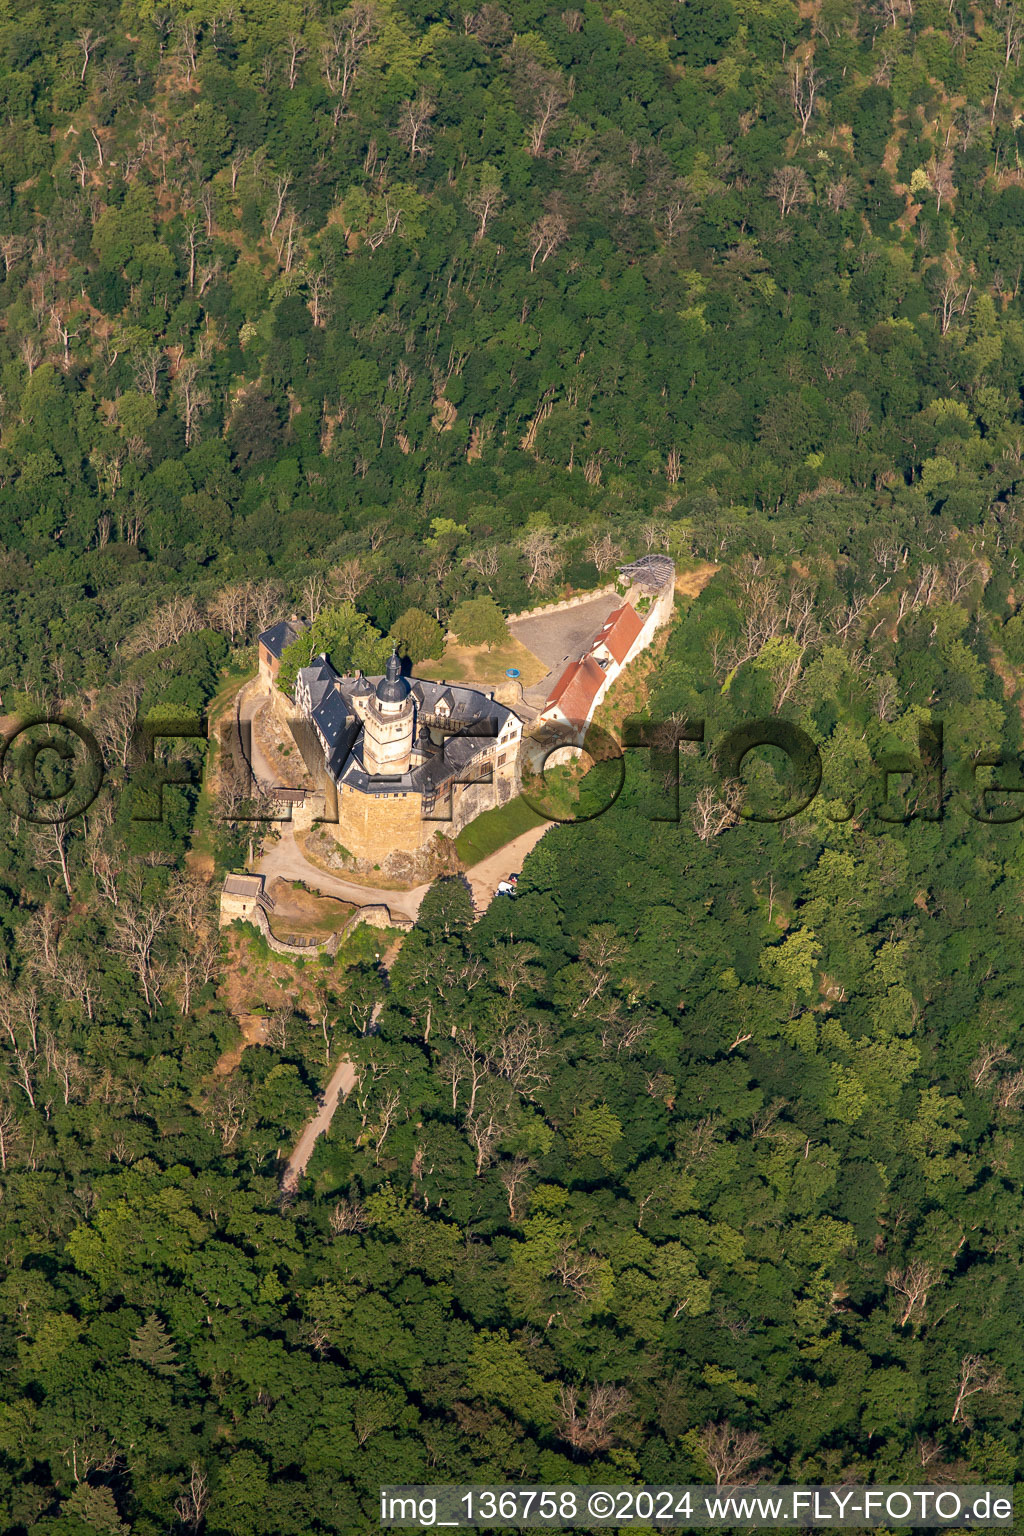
pixel 702 1158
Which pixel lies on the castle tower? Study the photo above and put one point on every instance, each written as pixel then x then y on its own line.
pixel 389 724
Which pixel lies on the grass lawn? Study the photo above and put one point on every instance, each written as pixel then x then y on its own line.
pixel 494 829
pixel 476 664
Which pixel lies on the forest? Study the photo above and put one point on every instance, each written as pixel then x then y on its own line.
pixel 700 1161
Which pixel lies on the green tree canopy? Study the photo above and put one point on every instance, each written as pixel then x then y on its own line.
pixel 479 621
pixel 418 635
pixel 342 634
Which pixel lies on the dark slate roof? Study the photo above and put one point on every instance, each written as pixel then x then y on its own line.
pixel 466 704
pixel 393 688
pixel 279 636
pixel 476 721
pixel 319 678
pixel 330 715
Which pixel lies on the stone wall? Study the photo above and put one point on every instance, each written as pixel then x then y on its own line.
pixel 375 915
pixel 566 602
pixel 373 826
pixel 329 946
pixel 232 907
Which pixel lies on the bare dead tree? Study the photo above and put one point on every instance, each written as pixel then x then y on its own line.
pixel 521 1054
pixel 604 552
pixel 804 83
pixel 10 1132
pixel 170 623
pixel 75 983
pixel 790 186
pixel 282 186
pixel 588 1423
pixel 483 561
pixel 314 595
pixel 384 223
pixel 912 1285
pixel 286 242
pixel 940 179
pixel 12 249
pixel 318 286
pixel 550 99
pixel 136 930
pixel 225 1108
pixel 838 193
pixel 486 1124
pixel 714 810
pixel 347 1216
pixel 977 1375
pixel 87 42
pixel 543 561
pixel 193 227
pixel 230 610
pixel 387 1114
pixel 195 967
pixel 484 200
pixel 414 124
pixel 730 1453
pixel 514 1173
pixel 546 235
pixel 31 353
pixel 988 1058
pixel 147 369
pixel 575 1270
pixel 512 968
pixel 190 396
pixel 1010 1092
pixel 1010 22
pixel 295 52
pixel 350 578
pixel 190 1507
pixel 188 44
pixel 347 38
pixel 51 844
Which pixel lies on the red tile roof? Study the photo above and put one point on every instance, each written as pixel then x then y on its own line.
pixel 620 630
pixel 576 689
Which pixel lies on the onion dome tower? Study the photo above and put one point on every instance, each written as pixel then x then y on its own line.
pixel 389 724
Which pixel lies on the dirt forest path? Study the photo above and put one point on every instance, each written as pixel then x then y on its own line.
pixel 343 1080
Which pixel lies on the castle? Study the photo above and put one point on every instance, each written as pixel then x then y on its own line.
pixel 401 758
pixel 398 759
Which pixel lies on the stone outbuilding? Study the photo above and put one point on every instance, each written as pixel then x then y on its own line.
pixel 241 896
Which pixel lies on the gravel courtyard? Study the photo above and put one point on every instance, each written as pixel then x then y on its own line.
pixel 558 638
